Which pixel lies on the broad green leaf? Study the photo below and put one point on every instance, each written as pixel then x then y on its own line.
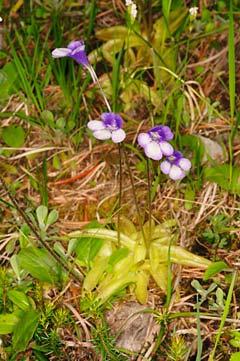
pixel 41 213
pixel 194 143
pixel 24 330
pixel 87 248
pixel 19 299
pixel 221 175
pixel 48 118
pixel 213 269
pixel 15 266
pixel 8 76
pixel 39 264
pixel 14 136
pixel 235 356
pixel 52 217
pixel 7 323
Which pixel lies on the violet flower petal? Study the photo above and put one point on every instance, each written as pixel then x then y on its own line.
pixel 60 52
pixel 167 132
pixel 102 134
pixel 184 164
pixel 118 135
pixel 76 44
pixel 153 151
pixel 176 173
pixel 112 120
pixel 165 167
pixel 166 148
pixel 95 125
pixel 143 139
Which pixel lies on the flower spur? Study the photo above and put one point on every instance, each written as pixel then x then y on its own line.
pixel 74 50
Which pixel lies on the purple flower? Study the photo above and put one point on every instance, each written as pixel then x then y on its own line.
pixel 175 166
pixel 75 50
pixel 109 127
pixel 155 142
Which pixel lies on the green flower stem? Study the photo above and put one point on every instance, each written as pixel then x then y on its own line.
pixel 134 195
pixel 96 80
pixel 149 201
pixel 120 191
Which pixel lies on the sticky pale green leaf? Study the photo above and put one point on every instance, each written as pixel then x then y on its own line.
pixel 7 323
pixel 117 256
pixel 93 276
pixel 13 136
pixel 213 269
pixel 141 292
pixel 19 299
pixel 15 266
pixel 113 32
pixel 24 330
pixel 39 264
pixel 126 226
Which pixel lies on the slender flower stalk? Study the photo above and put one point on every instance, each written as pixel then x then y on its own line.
pixel 120 191
pixel 134 195
pixel 96 80
pixel 149 200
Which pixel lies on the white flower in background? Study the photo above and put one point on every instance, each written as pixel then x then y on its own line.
pixel 193 11
pixel 132 9
pixel 1 19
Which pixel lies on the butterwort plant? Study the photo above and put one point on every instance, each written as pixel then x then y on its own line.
pixel 128 256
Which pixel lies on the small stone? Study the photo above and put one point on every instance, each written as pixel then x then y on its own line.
pixel 134 329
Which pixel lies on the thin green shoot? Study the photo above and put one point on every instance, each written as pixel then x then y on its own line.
pixel 224 315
